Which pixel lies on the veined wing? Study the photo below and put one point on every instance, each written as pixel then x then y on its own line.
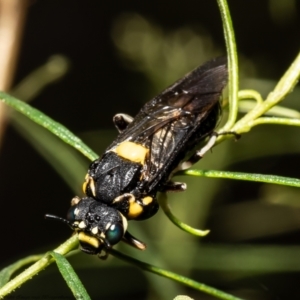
pixel 166 124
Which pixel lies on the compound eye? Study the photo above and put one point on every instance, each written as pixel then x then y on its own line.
pixel 71 215
pixel 114 233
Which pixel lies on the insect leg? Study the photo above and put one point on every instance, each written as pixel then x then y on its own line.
pixel 121 121
pixel 174 187
pixel 75 200
pixel 132 241
pixel 200 153
pixel 136 209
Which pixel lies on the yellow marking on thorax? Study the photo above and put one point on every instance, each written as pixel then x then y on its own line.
pixel 134 210
pixel 88 240
pixel 147 200
pixel 132 151
pixel 89 182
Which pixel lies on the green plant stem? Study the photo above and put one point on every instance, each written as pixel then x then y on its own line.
pixel 233 83
pixel 163 203
pixel 284 86
pixel 277 111
pixel 243 176
pixel 181 279
pixel 16 282
pixel 250 94
pixel 31 86
pixel 43 120
pixel 278 121
pixel 6 273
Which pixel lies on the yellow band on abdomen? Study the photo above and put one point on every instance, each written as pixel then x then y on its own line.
pixel 132 151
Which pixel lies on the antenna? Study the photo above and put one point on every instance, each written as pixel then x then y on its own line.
pixel 56 218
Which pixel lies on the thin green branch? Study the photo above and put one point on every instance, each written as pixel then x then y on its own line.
pixel 16 282
pixel 6 273
pixel 233 84
pixel 279 111
pixel 43 120
pixel 277 121
pixel 250 94
pixel 181 279
pixel 163 203
pixel 31 86
pixel 288 181
pixel 284 86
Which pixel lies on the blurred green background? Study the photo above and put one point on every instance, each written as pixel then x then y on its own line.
pixel 118 56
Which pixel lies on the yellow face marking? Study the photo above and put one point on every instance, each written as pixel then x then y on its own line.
pixel 132 151
pixel 88 240
pixel 82 225
pixel 107 225
pixel 94 230
pixel 147 200
pixel 89 182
